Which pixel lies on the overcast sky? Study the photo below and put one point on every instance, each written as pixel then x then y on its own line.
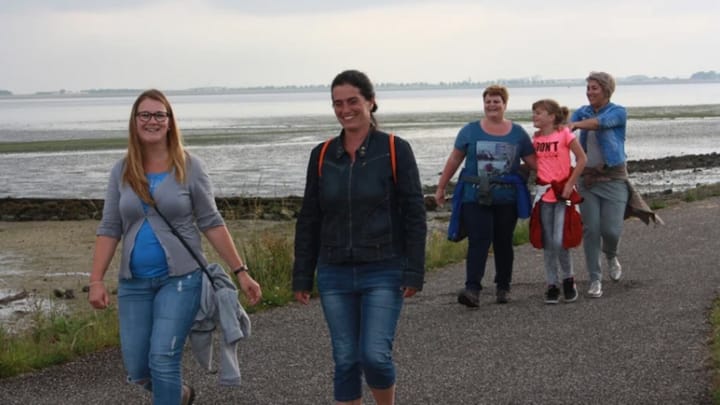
pixel 48 45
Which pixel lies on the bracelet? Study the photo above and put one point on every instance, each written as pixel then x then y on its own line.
pixel 240 269
pixel 96 282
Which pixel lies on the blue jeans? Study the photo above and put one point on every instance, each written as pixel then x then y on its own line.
pixel 488 225
pixel 362 304
pixel 155 318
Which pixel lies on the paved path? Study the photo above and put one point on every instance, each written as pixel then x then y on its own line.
pixel 644 342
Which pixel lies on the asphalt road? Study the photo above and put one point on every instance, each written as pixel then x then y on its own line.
pixel 644 342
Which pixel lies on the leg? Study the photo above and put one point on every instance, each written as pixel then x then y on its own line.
pixel 477 220
pixel 341 307
pixel 135 303
pixel 549 218
pixel 176 304
pixel 381 306
pixel 612 212
pixel 504 221
pixel 590 212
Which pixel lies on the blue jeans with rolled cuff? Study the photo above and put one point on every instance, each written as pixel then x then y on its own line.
pixel 362 305
pixel 155 318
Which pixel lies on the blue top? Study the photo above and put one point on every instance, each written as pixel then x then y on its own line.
pixel 612 120
pixel 148 257
pixel 492 157
pixel 189 206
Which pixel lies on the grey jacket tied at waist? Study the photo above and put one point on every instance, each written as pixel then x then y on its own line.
pixel 219 306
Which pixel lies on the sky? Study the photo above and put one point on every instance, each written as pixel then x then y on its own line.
pixel 49 45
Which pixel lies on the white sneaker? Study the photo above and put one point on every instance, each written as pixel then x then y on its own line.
pixel 595 290
pixel 615 269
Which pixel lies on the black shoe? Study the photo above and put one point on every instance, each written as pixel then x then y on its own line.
pixel 502 296
pixel 569 289
pixel 552 295
pixel 469 298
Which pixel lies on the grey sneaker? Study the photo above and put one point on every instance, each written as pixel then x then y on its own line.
pixel 469 298
pixel 595 290
pixel 615 269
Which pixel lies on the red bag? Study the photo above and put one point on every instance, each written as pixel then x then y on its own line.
pixel 536 237
pixel 573 226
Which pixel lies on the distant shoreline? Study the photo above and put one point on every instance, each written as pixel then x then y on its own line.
pixel 286 208
pixel 313 88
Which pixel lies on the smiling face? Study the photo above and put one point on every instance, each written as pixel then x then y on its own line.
pixel 596 95
pixel 494 107
pixel 152 131
pixel 352 109
pixel 542 119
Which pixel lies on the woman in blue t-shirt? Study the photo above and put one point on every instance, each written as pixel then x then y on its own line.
pixel 494 193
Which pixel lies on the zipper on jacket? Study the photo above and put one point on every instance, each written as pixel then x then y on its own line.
pixel 350 225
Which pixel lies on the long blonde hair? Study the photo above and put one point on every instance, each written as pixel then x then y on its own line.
pixel 134 173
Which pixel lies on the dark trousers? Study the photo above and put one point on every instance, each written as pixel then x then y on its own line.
pixel 488 225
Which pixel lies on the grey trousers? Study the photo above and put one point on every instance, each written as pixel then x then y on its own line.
pixel 552 216
pixel 602 213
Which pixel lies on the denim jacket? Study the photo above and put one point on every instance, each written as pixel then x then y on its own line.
pixel 612 119
pixel 356 213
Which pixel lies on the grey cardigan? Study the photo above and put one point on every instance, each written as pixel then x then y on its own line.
pixel 190 207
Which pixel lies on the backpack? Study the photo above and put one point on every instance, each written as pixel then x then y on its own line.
pixel 393 161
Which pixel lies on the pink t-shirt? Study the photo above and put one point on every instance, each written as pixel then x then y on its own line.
pixel 553 157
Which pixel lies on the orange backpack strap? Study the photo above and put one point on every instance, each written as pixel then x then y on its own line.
pixel 322 156
pixel 393 160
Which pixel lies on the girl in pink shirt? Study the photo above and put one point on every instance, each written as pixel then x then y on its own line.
pixel 553 143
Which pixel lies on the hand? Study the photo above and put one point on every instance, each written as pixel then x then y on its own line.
pixel 409 292
pixel 250 287
pixel 567 190
pixel 571 126
pixel 440 196
pixel 302 297
pixel 98 296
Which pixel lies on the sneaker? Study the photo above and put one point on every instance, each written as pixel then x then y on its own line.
pixel 569 289
pixel 188 395
pixel 615 269
pixel 595 290
pixel 502 296
pixel 552 295
pixel 469 298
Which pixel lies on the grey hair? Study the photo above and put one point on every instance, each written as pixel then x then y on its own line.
pixel 607 82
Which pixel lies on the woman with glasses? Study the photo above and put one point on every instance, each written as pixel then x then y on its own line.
pixel 160 282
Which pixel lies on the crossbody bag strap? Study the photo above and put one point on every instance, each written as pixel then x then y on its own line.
pixel 184 243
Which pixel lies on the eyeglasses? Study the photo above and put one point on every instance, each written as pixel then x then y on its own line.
pixel 145 116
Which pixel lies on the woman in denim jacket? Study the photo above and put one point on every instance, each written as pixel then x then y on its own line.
pixel 362 224
pixel 603 184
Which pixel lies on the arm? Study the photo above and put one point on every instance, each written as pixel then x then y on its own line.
pixel 453 162
pixel 220 239
pixel 580 162
pixel 307 233
pixel 412 208
pixel 104 251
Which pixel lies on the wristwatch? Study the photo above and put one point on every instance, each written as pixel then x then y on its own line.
pixel 240 269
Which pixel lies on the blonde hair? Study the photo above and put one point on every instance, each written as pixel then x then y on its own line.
pixel 552 107
pixel 134 173
pixel 606 81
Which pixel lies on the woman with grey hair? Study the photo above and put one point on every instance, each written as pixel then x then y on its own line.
pixel 603 184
